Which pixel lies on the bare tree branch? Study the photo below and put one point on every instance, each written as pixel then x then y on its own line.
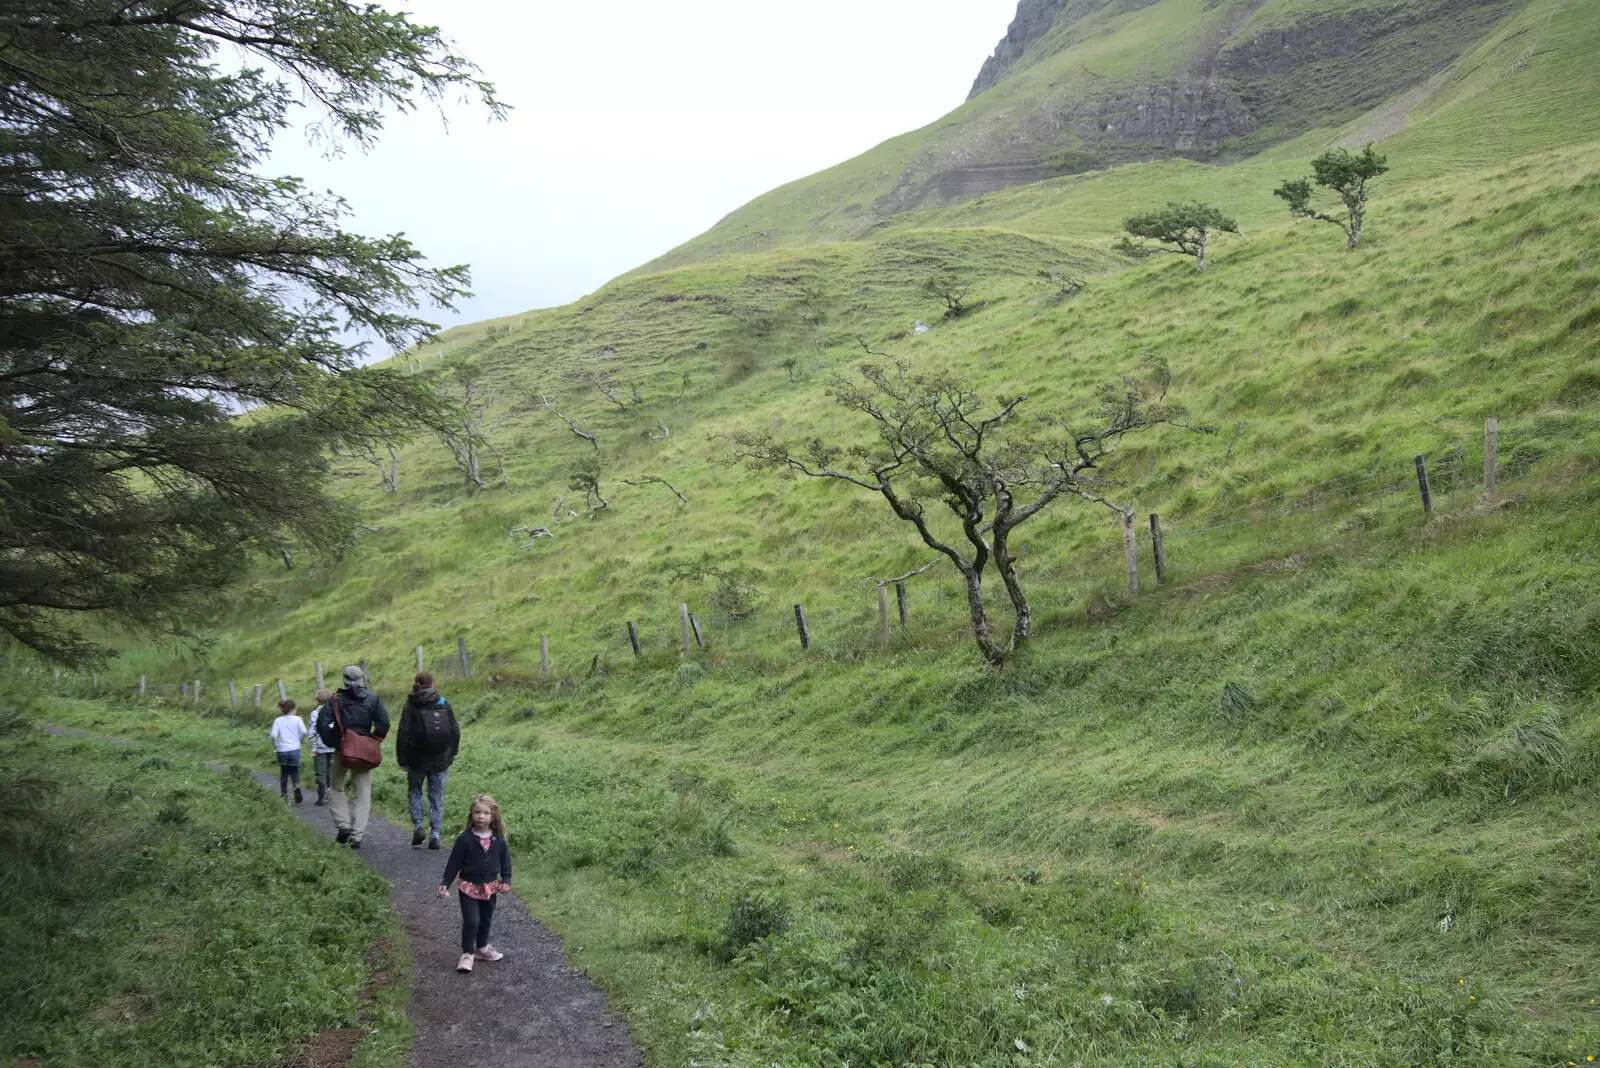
pixel 647 480
pixel 570 423
pixel 533 533
pixel 901 578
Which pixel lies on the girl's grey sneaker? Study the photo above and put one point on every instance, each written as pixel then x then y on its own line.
pixel 465 963
pixel 416 837
pixel 488 953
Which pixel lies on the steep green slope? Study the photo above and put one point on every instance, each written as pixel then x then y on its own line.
pixel 1470 300
pixel 1318 799
pixel 1521 84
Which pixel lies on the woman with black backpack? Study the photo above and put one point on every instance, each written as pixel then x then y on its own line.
pixel 426 747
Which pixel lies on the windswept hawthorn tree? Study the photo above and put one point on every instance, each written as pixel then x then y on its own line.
pixel 938 441
pixel 176 358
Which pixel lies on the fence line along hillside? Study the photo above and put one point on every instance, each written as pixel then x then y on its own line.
pixel 931 608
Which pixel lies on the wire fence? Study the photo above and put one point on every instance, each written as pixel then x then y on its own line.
pixel 933 609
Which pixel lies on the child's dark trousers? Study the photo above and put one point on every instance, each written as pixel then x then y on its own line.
pixel 288 771
pixel 475 917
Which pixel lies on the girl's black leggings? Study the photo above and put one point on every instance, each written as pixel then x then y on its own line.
pixel 475 917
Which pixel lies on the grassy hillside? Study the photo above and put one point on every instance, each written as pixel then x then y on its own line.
pixel 1474 298
pixel 1524 86
pixel 1320 798
pixel 162 913
pixel 1221 825
pixel 1217 823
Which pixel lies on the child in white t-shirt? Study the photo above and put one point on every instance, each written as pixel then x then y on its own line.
pixel 288 731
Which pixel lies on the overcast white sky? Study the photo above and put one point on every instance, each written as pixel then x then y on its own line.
pixel 639 124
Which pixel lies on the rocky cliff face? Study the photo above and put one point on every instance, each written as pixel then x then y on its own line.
pixel 1034 19
pixel 1239 88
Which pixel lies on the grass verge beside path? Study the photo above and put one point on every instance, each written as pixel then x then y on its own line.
pixel 158 912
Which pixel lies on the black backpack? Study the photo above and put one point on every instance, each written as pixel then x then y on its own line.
pixel 433 728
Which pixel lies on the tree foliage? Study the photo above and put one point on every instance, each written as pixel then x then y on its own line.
pixel 1347 175
pixel 948 288
pixel 1186 227
pixel 939 442
pixel 154 286
pixel 468 427
pixel 586 475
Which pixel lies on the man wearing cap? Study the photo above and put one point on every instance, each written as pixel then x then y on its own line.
pixel 362 712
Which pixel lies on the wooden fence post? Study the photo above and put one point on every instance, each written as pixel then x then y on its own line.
pixel 196 691
pixel 233 695
pixel 141 684
pixel 420 668
pixel 1422 484
pixel 1130 549
pixel 1491 446
pixel 283 695
pixel 694 625
pixel 461 648
pixel 544 656
pixel 1157 550
pixel 683 624
pixel 883 617
pixel 633 638
pixel 800 621
pixel 900 603
pixel 94 680
pixel 319 674
pixel 258 695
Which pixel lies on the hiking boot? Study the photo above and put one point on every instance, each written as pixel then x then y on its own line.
pixel 342 837
pixel 465 963
pixel 355 843
pixel 488 953
pixel 298 796
pixel 416 837
pixel 433 843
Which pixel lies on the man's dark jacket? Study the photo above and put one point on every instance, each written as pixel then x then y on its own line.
pixel 410 743
pixel 361 711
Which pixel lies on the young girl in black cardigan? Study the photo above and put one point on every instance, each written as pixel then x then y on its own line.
pixel 482 859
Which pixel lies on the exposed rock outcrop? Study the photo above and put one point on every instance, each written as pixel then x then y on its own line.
pixel 1239 89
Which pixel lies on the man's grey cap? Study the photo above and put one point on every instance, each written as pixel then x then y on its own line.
pixel 353 675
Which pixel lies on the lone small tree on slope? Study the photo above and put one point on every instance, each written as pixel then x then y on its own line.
pixel 940 442
pixel 1186 227
pixel 1347 175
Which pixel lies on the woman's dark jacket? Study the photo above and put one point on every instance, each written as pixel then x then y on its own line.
pixel 409 746
pixel 475 864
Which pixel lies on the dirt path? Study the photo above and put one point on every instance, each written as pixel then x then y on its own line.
pixel 529 1010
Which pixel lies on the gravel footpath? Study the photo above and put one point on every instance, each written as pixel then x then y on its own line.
pixel 527 1011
